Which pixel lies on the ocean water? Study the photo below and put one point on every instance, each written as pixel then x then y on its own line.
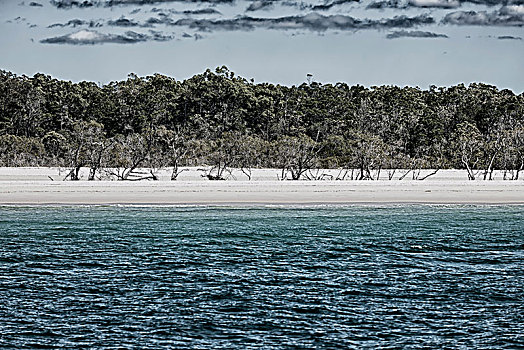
pixel 339 277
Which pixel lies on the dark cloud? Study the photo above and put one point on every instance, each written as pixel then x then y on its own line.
pixel 260 5
pixel 506 16
pixel 72 23
pixel 35 4
pixel 159 36
pixel 90 37
pixel 396 4
pixel 61 4
pixel 384 4
pixel 207 20
pixel 299 5
pixel 494 2
pixel 312 21
pixel 123 22
pixel 65 4
pixel 162 12
pixel 110 3
pixel 414 34
pixel 167 12
pixel 446 4
pixel 196 36
pixel 329 5
pixel 206 11
pixel 509 37
pixel 159 20
pixel 76 23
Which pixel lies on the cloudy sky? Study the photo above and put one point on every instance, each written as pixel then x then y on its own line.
pixel 368 42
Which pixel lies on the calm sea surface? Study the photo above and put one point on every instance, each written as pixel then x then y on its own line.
pixel 412 277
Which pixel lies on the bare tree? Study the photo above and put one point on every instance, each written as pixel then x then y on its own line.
pixel 469 148
pixel 513 153
pixel 296 155
pixel 96 156
pixel 249 152
pixel 368 154
pixel 174 147
pixel 84 147
pixel 492 144
pixel 220 156
pixel 129 154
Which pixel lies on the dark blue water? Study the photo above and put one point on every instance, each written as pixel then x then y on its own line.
pixel 420 277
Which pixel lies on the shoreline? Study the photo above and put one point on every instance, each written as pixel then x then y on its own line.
pixel 247 205
pixel 33 186
pixel 240 193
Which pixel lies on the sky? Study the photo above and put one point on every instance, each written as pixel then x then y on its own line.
pixel 368 42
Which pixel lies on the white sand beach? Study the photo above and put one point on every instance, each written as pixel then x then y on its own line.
pixel 30 186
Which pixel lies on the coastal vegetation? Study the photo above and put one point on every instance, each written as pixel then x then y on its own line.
pixel 224 121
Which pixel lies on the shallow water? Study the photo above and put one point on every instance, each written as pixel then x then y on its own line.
pixel 420 277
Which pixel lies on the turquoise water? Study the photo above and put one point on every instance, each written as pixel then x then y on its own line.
pixel 413 277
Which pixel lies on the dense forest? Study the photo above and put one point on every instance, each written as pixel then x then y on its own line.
pixel 224 121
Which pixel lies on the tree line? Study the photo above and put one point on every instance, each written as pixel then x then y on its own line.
pixel 225 121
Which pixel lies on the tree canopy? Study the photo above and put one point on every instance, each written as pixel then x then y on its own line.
pixel 223 120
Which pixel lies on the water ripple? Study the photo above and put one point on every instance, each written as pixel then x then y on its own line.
pixel 413 277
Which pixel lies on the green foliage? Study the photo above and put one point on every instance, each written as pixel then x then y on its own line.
pixel 223 120
pixel 20 151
